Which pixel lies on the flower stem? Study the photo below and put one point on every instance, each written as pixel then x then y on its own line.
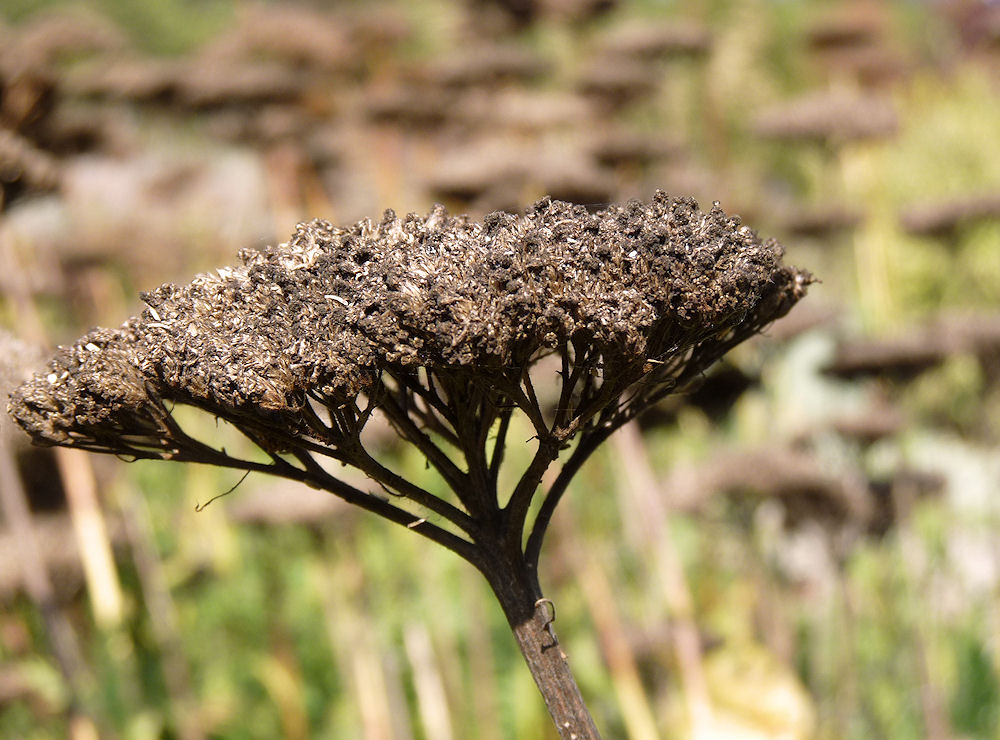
pixel 530 617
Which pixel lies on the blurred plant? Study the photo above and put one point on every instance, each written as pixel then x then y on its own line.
pixel 445 327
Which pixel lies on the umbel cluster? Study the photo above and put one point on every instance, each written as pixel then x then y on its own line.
pixel 440 324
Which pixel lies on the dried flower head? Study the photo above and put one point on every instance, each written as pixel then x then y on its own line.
pixel 445 327
pixel 438 323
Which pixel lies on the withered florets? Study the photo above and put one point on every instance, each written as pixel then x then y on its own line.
pixel 435 320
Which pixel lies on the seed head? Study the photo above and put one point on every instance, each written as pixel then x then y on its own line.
pixel 642 293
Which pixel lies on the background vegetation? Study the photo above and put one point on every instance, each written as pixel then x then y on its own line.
pixel 807 547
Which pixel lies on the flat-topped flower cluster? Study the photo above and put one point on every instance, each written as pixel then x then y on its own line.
pixel 633 291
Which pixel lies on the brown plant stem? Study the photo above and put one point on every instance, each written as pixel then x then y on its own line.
pixel 530 617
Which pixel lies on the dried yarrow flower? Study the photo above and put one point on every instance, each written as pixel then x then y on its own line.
pixel 440 324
